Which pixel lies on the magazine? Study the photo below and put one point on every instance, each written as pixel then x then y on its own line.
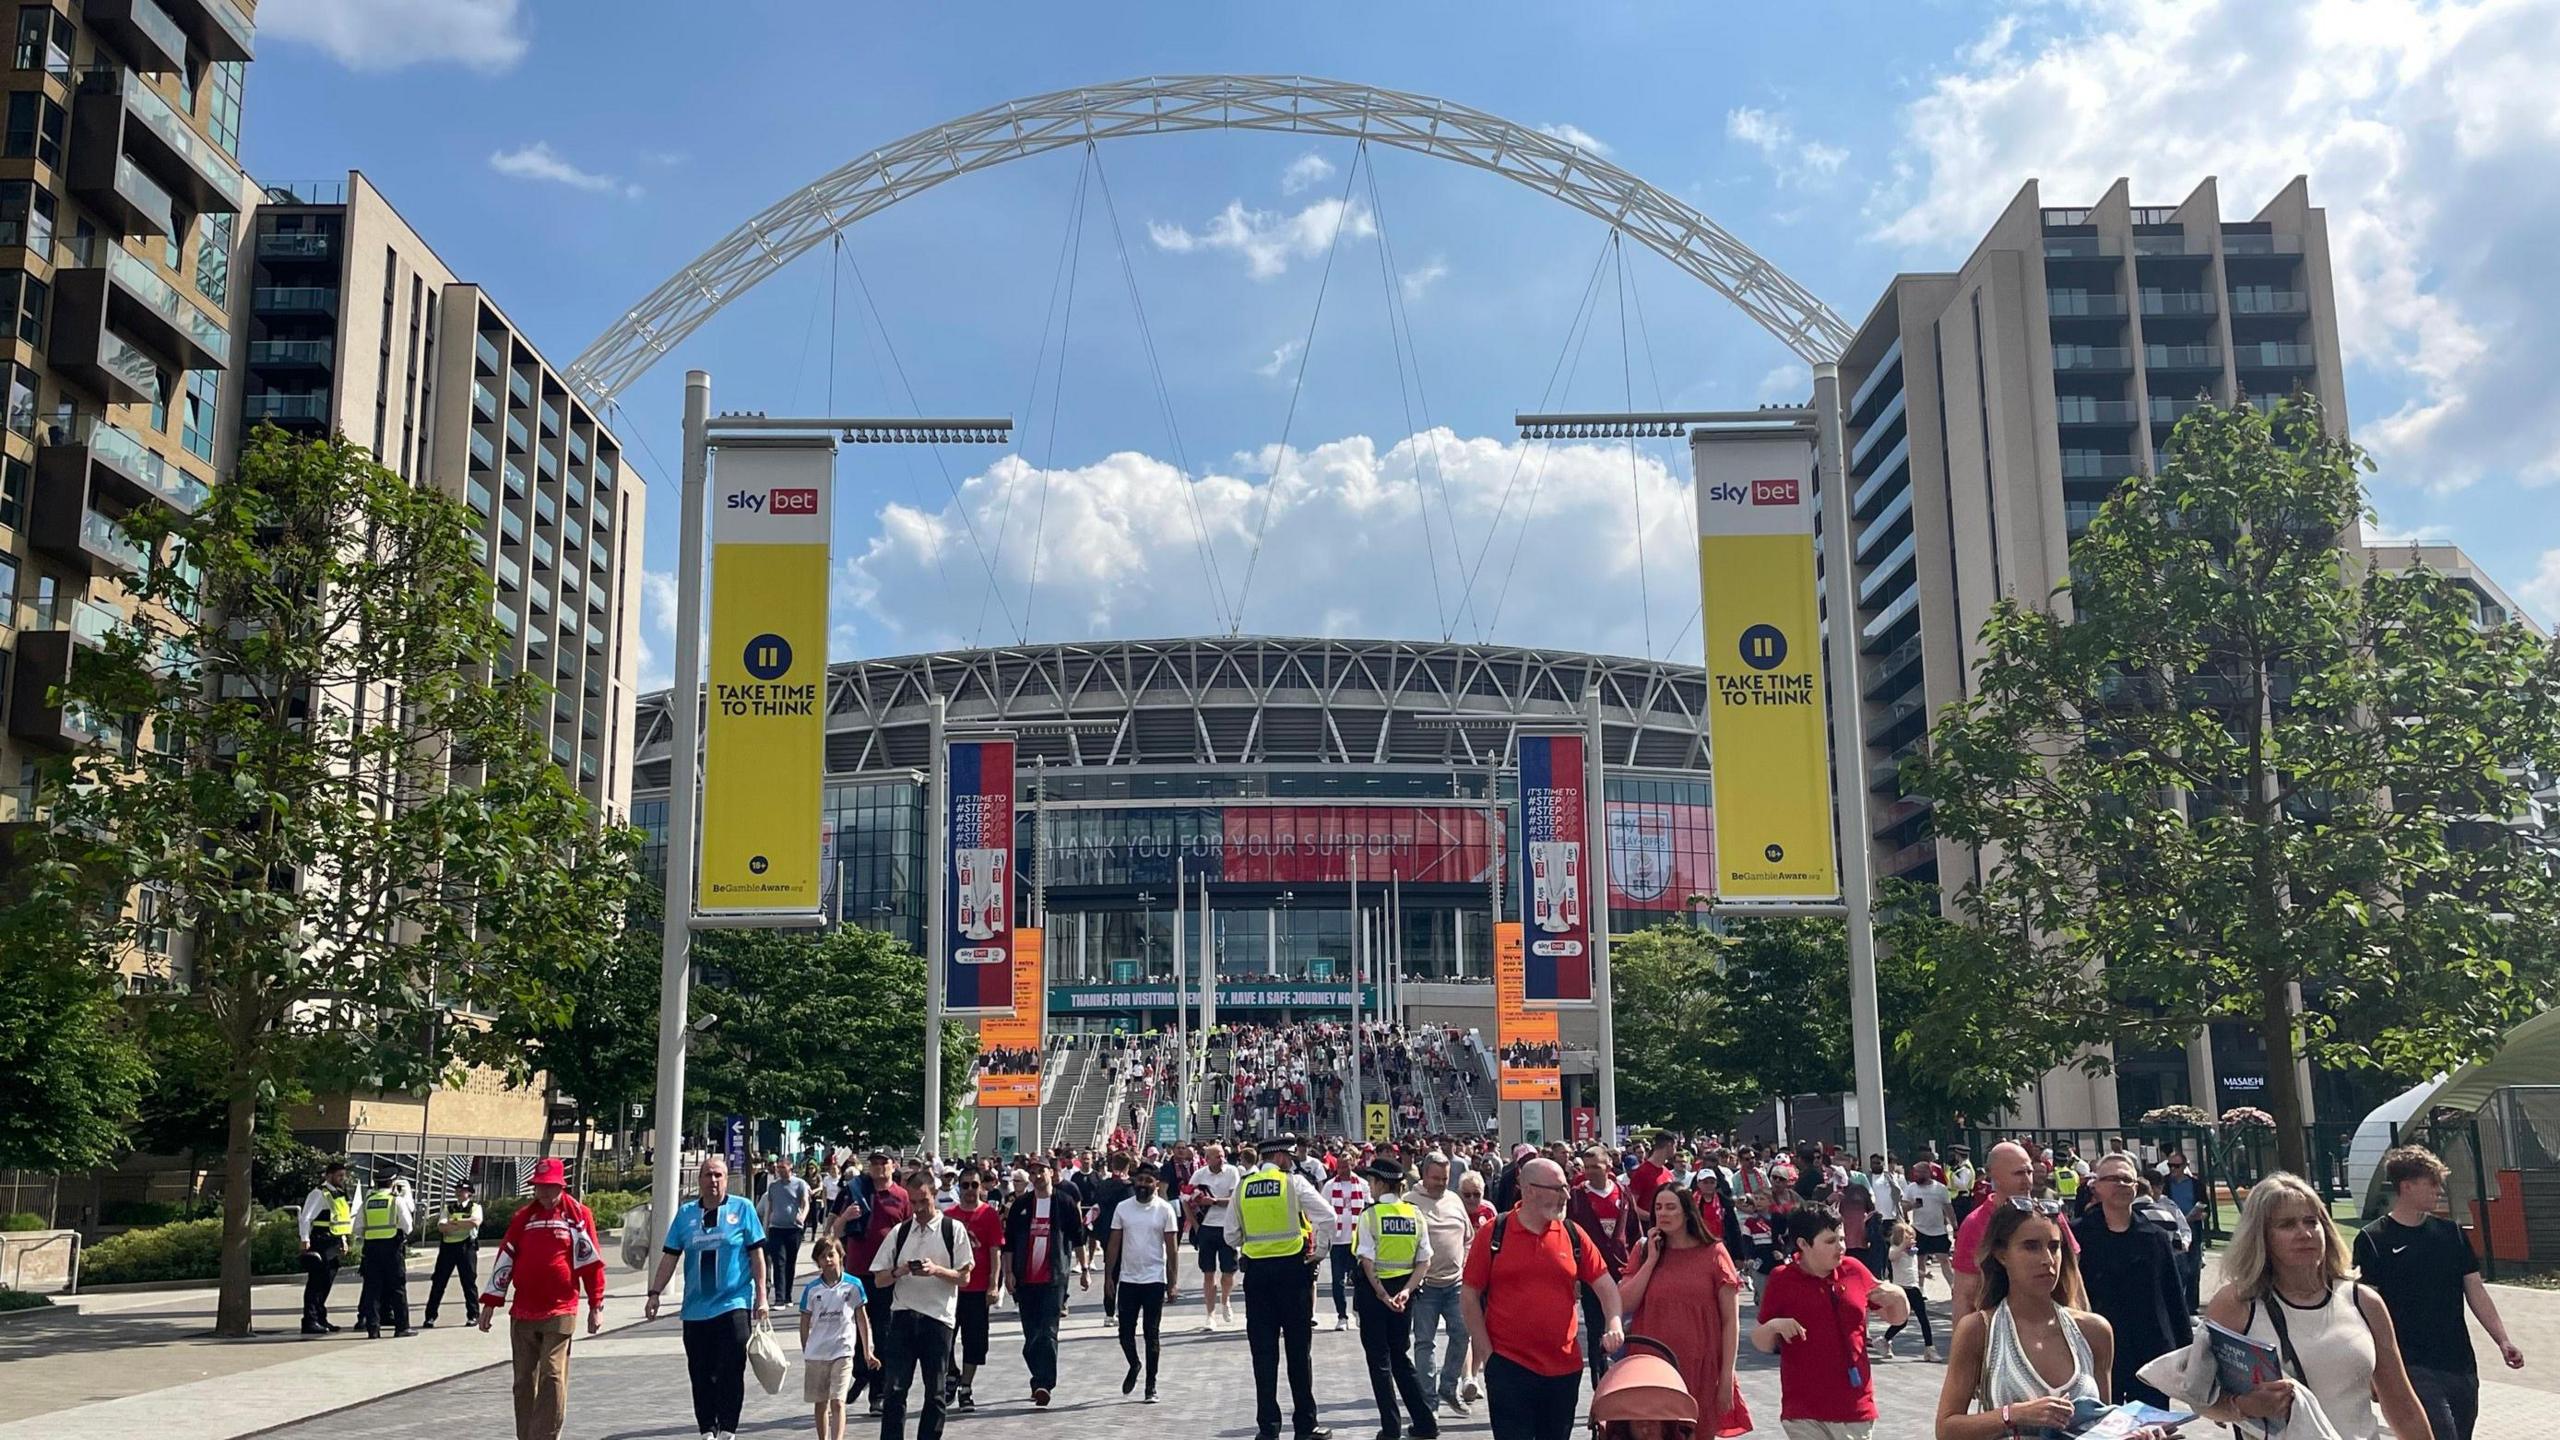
pixel 2093 1420
pixel 2242 1364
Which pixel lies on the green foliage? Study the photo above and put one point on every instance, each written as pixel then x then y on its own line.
pixel 494 1215
pixel 141 1213
pixel 1665 985
pixel 69 1061
pixel 187 1250
pixel 599 1041
pixel 361 830
pixel 2226 761
pixel 22 1220
pixel 611 1205
pixel 21 1300
pixel 823 1026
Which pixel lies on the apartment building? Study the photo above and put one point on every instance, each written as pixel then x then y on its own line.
pixel 1991 410
pixel 119 202
pixel 354 326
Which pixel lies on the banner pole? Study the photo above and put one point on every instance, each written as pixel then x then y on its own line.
pixel 1357 951
pixel 1595 824
pixel 675 953
pixel 1848 747
pixel 937 844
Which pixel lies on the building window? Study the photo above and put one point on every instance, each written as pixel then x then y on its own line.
pixel 22 401
pixel 187 82
pixel 8 591
pixel 224 122
pixel 13 496
pixel 213 259
pixel 160 401
pixel 26 216
pixel 23 296
pixel 44 40
pixel 34 130
pixel 204 402
pixel 173 249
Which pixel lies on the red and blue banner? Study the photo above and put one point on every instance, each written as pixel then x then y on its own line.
pixel 1555 836
pixel 977 894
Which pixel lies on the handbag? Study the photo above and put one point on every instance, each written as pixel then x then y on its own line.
pixel 764 1354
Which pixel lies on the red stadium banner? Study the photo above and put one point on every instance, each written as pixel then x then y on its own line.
pixel 1555 833
pixel 977 926
pixel 1310 844
pixel 1009 1046
pixel 1660 854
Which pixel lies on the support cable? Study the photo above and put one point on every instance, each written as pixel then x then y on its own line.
pixel 1538 479
pixel 1049 458
pixel 1404 393
pixel 1635 481
pixel 1306 350
pixel 835 289
pixel 1644 332
pixel 1422 397
pixel 1164 398
pixel 1039 363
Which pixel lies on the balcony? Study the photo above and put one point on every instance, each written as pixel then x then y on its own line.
pixel 294 300
pixel 518 437
pixel 2177 304
pixel 2083 305
pixel 297 245
pixel 1890 675
pixel 2079 515
pixel 1896 565
pixel 221 29
pixel 550 418
pixel 292 354
pixel 2084 410
pixel 1892 471
pixel 65 528
pixel 2253 300
pixel 100 358
pixel 2273 355
pixel 44 664
pixel 485 352
pixel 2092 465
pixel 121 191
pixel 1886 428
pixel 515 481
pixel 2093 359
pixel 287 408
pixel 91 270
pixel 143 30
pixel 2081 247
pixel 519 388
pixel 115 113
pixel 2252 246
pixel 2181 357
pixel 85 451
pixel 1871 536
pixel 478 496
pixel 2188 247
pixel 484 402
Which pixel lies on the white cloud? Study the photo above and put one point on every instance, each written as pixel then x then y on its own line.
pixel 1306 170
pixel 1267 239
pixel 538 161
pixel 1421 279
pixel 1575 136
pixel 2425 127
pixel 1792 158
pixel 1344 552
pixel 2541 594
pixel 1281 355
pixel 389 34
pixel 657 627
pixel 1791 383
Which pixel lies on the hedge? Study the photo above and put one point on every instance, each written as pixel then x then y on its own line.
pixel 608 1205
pixel 21 1300
pixel 611 1205
pixel 189 1250
pixel 17 1220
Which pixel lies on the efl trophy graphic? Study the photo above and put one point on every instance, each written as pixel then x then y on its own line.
pixel 984 888
pixel 1556 884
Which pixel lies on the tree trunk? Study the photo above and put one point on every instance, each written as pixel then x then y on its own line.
pixel 232 1313
pixel 2284 1090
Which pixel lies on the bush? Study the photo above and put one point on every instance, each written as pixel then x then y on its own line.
pixel 17 1220
pixel 611 1205
pixel 495 1214
pixel 188 1250
pixel 140 1212
pixel 21 1300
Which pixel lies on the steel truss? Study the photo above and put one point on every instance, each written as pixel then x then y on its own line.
pixel 1178 104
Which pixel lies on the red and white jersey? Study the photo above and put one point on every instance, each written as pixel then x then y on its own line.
pixel 1348 1195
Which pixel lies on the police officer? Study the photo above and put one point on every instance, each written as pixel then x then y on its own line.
pixel 1389 1245
pixel 325 1221
pixel 1276 1213
pixel 457 1252
pixel 383 1227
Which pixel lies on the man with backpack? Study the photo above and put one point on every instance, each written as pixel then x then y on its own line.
pixel 1523 1276
pixel 921 1263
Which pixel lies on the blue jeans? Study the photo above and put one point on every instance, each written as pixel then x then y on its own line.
pixel 1438 1305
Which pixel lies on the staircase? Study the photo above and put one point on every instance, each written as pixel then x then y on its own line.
pixel 1058 1092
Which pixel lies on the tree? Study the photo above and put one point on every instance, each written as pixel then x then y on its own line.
pixel 1664 985
pixel 2233 762
pixel 297 760
pixel 69 1061
pixel 826 1028
pixel 599 1045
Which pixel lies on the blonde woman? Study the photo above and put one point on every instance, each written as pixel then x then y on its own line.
pixel 2291 1284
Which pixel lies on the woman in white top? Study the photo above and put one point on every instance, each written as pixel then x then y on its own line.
pixel 2032 1351
pixel 2292 1285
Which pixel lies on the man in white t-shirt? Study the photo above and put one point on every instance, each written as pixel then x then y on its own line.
pixel 1885 1188
pixel 1212 1200
pixel 1932 1216
pixel 923 1260
pixel 1142 1264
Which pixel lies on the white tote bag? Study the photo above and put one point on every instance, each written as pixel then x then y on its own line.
pixel 764 1354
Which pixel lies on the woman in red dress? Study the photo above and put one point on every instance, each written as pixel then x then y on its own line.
pixel 1681 1288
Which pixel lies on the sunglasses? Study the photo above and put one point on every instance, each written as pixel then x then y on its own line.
pixel 2040 1207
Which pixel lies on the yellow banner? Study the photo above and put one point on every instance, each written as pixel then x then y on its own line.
pixel 1767 727
pixel 1531 1052
pixel 764 742
pixel 1381 1124
pixel 1009 1050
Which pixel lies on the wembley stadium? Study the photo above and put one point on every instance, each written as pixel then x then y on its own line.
pixel 1271 769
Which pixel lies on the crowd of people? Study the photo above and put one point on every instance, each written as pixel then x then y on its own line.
pixel 1519 1279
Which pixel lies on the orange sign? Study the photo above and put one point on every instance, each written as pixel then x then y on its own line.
pixel 1532 1052
pixel 1009 1049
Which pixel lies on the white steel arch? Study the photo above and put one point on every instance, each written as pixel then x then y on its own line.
pixel 1167 105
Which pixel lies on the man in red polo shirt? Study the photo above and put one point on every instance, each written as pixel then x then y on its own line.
pixel 1520 1308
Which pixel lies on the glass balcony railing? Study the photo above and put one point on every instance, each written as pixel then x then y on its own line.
pixel 2166 411
pixel 2171 245
pixel 515 481
pixel 2092 465
pixel 296 245
pixel 2078 515
pixel 2253 245
pixel 550 414
pixel 510 574
pixel 485 351
pixel 571 533
pixel 218 178
pixel 478 496
pixel 1895 561
pixel 545 508
pixel 2176 304
pixel 292 352
pixel 2092 357
pixel 511 525
pixel 2273 355
pixel 548 462
pixel 2085 410
pixel 135 276
pixel 2080 247
pixel 2181 357
pixel 2252 301
pixel 124 451
pixel 484 452
pixel 294 300
pixel 518 437
pixel 106 539
pixel 285 407
pixel 2082 304
pixel 484 402
pixel 519 387
pixel 541 553
pixel 91 623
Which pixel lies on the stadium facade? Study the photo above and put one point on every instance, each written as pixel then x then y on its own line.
pixel 1268 767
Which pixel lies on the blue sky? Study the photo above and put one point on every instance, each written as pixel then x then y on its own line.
pixel 571 154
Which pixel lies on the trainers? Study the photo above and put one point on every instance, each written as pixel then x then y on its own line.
pixel 1470 1391
pixel 968 1398
pixel 1039 1395
pixel 1150 1396
pixel 1129 1381
pixel 1929 1354
pixel 1341 1322
pixel 1454 1406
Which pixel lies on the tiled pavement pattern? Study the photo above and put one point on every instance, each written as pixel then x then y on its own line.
pixel 631 1386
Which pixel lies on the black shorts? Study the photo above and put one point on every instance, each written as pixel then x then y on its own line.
pixel 1935 1244
pixel 1215 1253
pixel 973 1327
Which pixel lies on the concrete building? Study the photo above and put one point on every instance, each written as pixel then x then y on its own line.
pixel 355 326
pixel 119 205
pixel 1991 412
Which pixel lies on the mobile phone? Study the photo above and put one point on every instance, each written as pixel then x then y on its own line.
pixel 915 1267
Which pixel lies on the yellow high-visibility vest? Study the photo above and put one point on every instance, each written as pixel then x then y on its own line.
pixel 1271 1229
pixel 1395 1234
pixel 342 1216
pixel 378 1220
pixel 2066 1181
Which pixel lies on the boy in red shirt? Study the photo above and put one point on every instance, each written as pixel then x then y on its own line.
pixel 985 1223
pixel 1520 1308
pixel 550 1254
pixel 1815 1307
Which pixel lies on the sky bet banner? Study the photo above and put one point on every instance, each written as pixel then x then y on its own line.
pixel 764 740
pixel 1765 720
pixel 1555 871
pixel 977 898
